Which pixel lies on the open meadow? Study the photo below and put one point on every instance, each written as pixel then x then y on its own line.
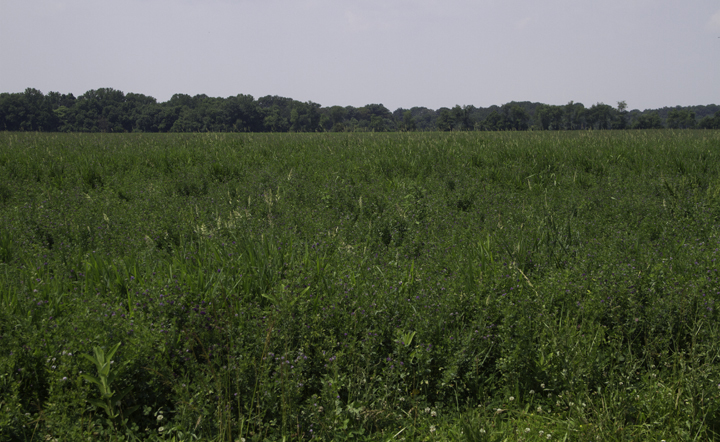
pixel 476 286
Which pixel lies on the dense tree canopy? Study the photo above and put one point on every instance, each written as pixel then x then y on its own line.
pixel 110 110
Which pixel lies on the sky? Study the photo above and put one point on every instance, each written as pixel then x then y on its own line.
pixel 399 53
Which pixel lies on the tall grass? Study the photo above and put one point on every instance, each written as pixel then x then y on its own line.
pixel 455 286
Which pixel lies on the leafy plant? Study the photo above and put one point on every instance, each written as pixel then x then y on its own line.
pixel 109 400
pixel 6 247
pixel 307 285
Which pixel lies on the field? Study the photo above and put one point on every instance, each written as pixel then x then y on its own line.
pixel 409 286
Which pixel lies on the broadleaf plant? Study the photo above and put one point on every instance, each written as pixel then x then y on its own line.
pixel 109 400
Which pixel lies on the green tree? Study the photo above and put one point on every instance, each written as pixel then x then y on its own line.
pixel 64 116
pixel 425 119
pixel 38 110
pixel 494 121
pixel 516 118
pixel 574 116
pixel 12 111
pixel 600 116
pixel 621 119
pixel 57 99
pixel 408 123
pixel 146 118
pixel 181 100
pixel 377 124
pixel 681 119
pixel 462 117
pixel 325 122
pixel 27 111
pixel 313 116
pixel 445 120
pixel 100 110
pixel 542 117
pixel 375 117
pixel 242 114
pixel 188 121
pixel 648 121
pixel 549 117
pixel 274 121
pixel 709 122
pixel 295 122
pixel 337 114
pixel 167 117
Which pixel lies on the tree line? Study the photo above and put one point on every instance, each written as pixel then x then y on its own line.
pixel 111 110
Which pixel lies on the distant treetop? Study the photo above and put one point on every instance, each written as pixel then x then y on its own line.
pixel 111 110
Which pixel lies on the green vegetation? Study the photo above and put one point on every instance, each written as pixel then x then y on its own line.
pixel 110 110
pixel 475 286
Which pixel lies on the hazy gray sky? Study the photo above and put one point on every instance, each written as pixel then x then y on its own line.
pixel 401 53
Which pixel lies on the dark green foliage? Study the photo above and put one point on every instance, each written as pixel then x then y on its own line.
pixel 709 122
pixel 110 110
pixel 5 193
pixel 435 286
pixel 91 176
pixel 649 121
